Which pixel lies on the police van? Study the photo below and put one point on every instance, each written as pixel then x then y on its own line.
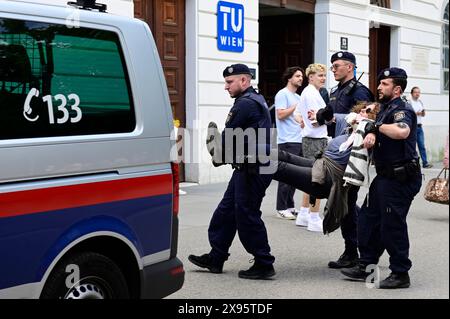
pixel 88 191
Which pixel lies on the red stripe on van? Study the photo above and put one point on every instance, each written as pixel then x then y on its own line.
pixel 54 198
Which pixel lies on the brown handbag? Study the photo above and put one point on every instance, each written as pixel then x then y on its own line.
pixel 437 189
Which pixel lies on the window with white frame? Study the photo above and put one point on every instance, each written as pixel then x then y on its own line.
pixel 445 46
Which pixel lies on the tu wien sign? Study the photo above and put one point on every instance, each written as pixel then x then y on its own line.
pixel 230 26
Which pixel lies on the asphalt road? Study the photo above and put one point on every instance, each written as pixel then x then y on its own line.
pixel 302 256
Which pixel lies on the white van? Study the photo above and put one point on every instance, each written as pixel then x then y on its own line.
pixel 88 192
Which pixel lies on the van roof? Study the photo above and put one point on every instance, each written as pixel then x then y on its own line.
pixel 62 11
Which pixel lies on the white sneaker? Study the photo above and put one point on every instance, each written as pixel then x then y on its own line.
pixel 285 214
pixel 294 211
pixel 315 224
pixel 302 219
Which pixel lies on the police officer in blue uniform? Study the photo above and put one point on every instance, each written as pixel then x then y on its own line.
pixel 349 90
pixel 382 220
pixel 342 99
pixel 239 209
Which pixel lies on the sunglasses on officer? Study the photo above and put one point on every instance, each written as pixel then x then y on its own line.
pixel 335 66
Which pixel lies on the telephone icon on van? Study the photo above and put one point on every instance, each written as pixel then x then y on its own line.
pixel 27 107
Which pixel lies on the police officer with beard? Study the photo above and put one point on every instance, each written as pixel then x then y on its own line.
pixel 239 209
pixel 382 220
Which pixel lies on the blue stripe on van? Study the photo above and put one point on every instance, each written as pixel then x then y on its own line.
pixel 29 243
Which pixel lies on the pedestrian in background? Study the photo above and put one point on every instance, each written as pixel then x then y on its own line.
pixel 418 107
pixel 289 134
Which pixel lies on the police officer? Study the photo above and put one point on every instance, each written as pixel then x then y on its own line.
pixel 349 90
pixel 382 221
pixel 342 99
pixel 239 209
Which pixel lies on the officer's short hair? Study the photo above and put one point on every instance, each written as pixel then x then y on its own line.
pixel 289 73
pixel 403 83
pixel 315 68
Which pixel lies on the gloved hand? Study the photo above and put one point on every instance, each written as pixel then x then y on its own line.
pixel 214 144
pixel 211 136
pixel 371 127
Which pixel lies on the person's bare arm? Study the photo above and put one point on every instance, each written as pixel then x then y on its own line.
pixel 285 113
pixel 396 131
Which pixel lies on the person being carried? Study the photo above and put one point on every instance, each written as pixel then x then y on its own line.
pixel 301 172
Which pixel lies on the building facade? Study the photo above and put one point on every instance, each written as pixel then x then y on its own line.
pixel 197 38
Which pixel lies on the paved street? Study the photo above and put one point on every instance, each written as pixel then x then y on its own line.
pixel 302 256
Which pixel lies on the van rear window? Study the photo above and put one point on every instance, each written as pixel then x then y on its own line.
pixel 61 81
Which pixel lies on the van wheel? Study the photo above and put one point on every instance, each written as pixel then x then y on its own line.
pixel 86 275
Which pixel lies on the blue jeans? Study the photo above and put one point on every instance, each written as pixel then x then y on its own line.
pixel 421 145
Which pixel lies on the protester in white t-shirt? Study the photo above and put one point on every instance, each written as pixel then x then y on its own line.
pixel 314 138
pixel 289 134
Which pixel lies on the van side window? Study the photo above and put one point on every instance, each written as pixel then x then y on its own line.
pixel 60 81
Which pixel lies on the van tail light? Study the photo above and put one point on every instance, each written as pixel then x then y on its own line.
pixel 177 271
pixel 175 187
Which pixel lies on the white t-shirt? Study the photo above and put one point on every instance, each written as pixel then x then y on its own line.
pixel 311 100
pixel 289 131
pixel 418 107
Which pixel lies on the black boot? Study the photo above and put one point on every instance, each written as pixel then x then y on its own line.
pixel 205 261
pixel 357 272
pixel 257 271
pixel 345 261
pixel 396 280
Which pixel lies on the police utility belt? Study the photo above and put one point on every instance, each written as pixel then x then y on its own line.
pixel 400 171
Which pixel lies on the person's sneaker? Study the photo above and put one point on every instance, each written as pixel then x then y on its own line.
pixel 315 224
pixel 257 271
pixel 428 165
pixel 205 261
pixel 396 280
pixel 344 261
pixel 302 219
pixel 285 214
pixel 357 272
pixel 294 211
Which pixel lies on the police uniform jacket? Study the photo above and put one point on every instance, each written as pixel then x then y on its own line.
pixel 387 150
pixel 346 95
pixel 250 110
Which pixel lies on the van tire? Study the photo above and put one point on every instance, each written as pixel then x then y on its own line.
pixel 99 278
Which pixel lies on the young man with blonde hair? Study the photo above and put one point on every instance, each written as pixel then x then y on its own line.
pixel 314 138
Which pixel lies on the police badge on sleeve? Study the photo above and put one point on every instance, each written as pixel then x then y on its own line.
pixel 230 115
pixel 399 116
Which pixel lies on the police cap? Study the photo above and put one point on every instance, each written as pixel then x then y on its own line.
pixel 236 69
pixel 343 55
pixel 392 73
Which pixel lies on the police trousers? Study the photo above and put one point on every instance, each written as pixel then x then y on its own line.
pixel 382 222
pixel 239 211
